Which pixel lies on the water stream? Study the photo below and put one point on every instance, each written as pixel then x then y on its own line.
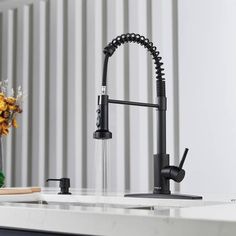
pixel 102 167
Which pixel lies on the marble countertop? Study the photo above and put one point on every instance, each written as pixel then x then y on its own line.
pixel 96 214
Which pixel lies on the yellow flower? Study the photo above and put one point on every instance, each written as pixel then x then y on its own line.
pixel 11 100
pixel 2 119
pixel 12 107
pixel 3 105
pixel 14 123
pixel 4 128
pixel 8 110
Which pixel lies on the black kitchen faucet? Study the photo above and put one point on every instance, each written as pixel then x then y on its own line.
pixel 163 172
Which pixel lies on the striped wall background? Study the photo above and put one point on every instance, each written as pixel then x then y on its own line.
pixel 54 50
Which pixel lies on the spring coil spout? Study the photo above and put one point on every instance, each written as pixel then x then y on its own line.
pixel 136 38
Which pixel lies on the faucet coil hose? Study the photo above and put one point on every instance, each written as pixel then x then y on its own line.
pixel 136 38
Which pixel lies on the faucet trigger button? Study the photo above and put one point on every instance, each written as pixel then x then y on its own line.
pixel 98 123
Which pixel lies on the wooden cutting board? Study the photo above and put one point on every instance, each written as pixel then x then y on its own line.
pixel 7 191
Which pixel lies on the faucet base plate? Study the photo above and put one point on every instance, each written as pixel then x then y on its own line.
pixel 165 196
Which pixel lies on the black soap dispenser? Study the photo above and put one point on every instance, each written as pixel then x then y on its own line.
pixel 64 185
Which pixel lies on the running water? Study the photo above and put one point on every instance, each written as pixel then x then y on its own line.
pixel 102 167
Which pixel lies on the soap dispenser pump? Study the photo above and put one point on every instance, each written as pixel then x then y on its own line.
pixel 64 185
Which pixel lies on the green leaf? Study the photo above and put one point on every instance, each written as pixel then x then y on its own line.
pixel 2 179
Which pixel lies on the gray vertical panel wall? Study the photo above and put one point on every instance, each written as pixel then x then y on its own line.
pixel 54 50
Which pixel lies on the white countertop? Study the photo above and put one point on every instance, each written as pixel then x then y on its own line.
pixel 168 217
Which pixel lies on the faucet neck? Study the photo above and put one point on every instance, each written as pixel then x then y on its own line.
pixel 136 38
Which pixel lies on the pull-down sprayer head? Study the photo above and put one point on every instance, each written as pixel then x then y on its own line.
pixel 102 131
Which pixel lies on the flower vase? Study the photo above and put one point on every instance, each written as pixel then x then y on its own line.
pixel 2 176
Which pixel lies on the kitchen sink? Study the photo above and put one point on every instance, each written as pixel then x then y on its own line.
pixel 83 204
pixel 89 199
pixel 109 202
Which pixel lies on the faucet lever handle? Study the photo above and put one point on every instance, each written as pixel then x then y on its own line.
pixel 183 158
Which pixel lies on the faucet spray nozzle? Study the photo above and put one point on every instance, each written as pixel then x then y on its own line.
pixel 102 131
pixel 102 134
